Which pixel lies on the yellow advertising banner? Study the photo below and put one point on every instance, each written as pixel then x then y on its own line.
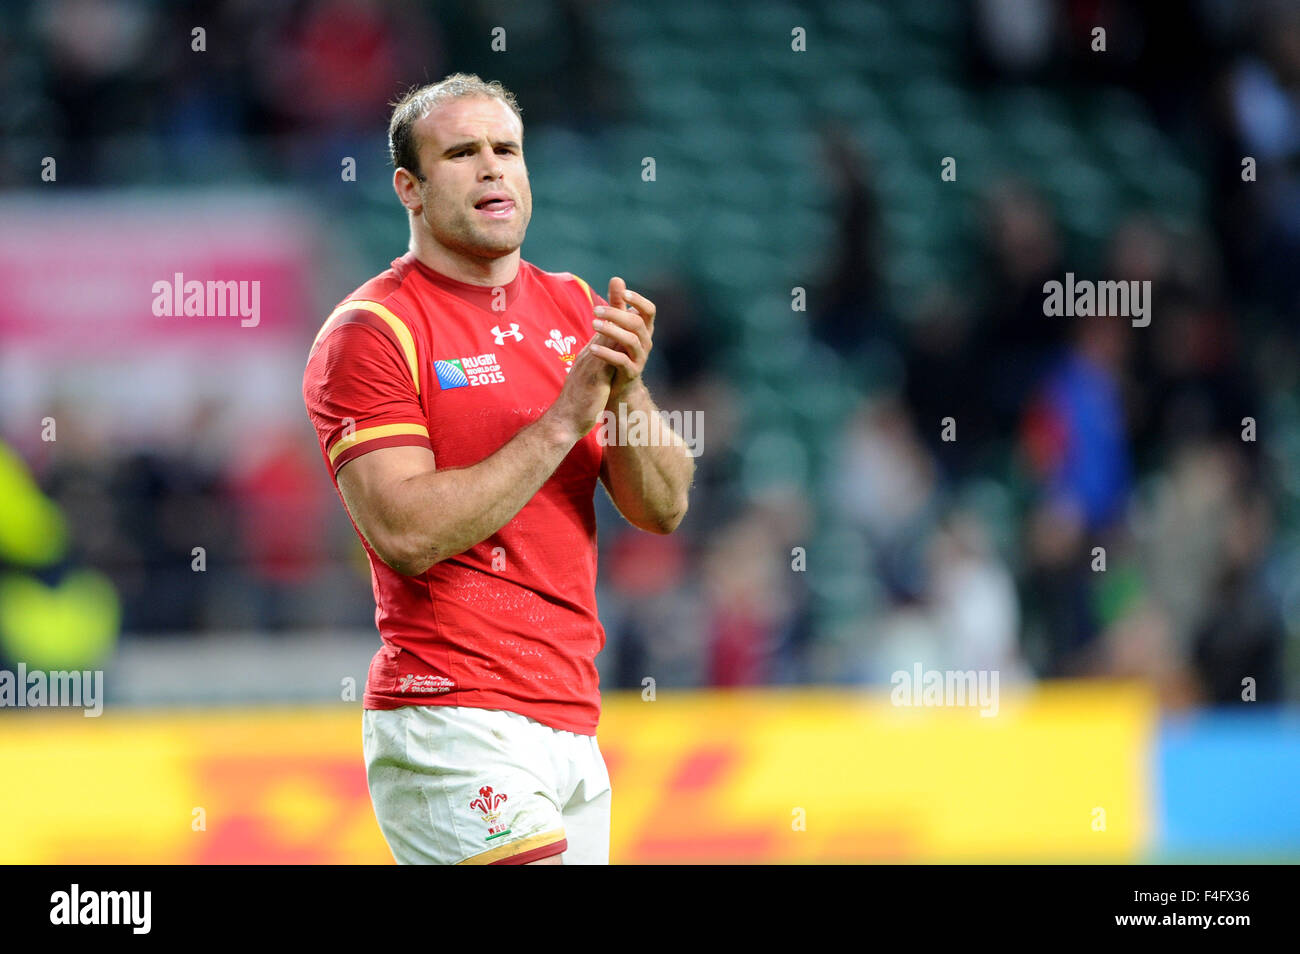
pixel 1059 774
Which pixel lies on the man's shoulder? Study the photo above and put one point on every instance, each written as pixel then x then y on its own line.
pixel 380 302
pixel 381 287
pixel 381 306
pixel 565 283
pixel 389 288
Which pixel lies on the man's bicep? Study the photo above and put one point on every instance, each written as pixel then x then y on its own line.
pixel 372 489
pixel 371 483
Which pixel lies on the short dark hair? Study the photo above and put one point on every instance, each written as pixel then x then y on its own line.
pixel 418 100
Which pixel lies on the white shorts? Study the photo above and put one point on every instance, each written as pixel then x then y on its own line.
pixel 459 785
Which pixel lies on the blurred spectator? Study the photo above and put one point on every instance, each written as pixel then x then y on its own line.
pixel 1023 245
pixel 272 487
pixel 653 612
pixel 1265 117
pixel 973 599
pixel 753 611
pixel 1241 639
pixel 1142 645
pixel 884 486
pixel 1013 39
pixel 943 381
pixel 849 303
pixel 1075 433
pixel 1057 580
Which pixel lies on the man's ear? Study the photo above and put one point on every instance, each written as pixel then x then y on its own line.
pixel 407 187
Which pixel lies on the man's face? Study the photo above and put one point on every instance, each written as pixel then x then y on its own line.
pixel 476 199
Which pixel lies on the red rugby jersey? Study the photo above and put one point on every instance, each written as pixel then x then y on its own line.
pixel 416 357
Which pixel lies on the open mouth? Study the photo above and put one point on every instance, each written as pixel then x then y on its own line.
pixel 495 206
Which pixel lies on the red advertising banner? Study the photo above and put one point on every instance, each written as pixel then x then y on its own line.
pixel 85 276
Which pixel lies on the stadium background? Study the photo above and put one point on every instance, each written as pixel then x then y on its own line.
pixel 229 733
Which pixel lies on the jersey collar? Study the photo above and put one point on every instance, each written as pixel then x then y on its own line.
pixel 483 296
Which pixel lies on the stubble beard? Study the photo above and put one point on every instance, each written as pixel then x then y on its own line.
pixel 468 237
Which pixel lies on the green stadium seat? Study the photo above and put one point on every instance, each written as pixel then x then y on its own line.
pixel 858 21
pixel 772 456
pixel 846 97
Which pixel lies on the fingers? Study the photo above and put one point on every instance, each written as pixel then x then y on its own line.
pixel 588 366
pixel 628 341
pixel 619 359
pixel 626 329
pixel 631 320
pixel 617 289
pixel 642 304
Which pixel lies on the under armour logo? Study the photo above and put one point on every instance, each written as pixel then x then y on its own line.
pixel 501 335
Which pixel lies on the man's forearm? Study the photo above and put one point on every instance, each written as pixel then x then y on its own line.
pixel 445 512
pixel 649 483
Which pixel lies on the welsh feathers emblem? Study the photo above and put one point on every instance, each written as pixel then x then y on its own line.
pixel 563 345
pixel 488 805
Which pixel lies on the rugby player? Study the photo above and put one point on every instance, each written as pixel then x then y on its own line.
pixel 455 398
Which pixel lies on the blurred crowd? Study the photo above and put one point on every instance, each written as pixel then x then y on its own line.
pixel 100 79
pixel 1110 500
pixel 1106 507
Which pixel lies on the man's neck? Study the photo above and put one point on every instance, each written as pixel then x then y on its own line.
pixel 489 272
